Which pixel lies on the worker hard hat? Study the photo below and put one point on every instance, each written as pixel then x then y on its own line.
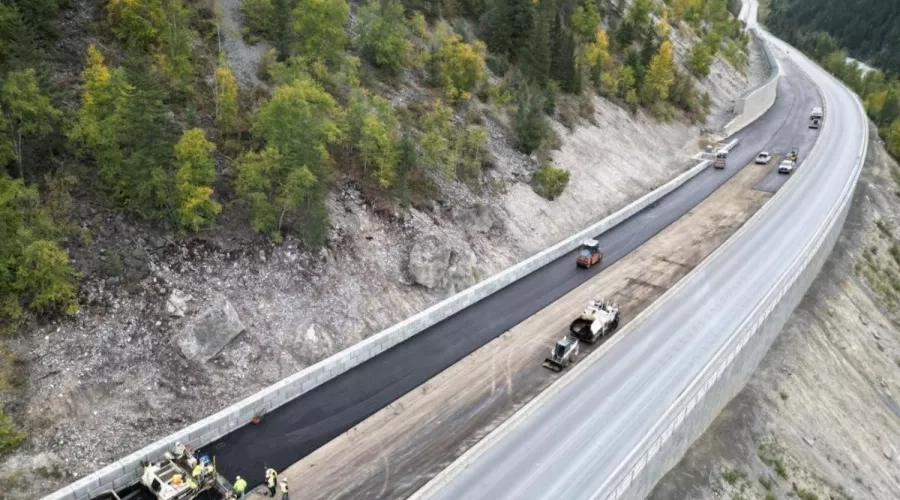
pixel 239 478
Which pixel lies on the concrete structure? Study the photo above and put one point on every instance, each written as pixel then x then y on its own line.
pixel 127 470
pixel 753 103
pixel 620 420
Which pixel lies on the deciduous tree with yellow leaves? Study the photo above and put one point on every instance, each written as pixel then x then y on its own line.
pixel 659 77
pixel 195 173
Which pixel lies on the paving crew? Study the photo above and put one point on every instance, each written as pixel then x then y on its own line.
pixel 271 481
pixel 284 490
pixel 240 485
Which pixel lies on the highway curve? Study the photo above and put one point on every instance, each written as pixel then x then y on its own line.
pixel 576 441
pixel 294 430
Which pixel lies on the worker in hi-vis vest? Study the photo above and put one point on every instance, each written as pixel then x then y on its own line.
pixel 240 485
pixel 271 481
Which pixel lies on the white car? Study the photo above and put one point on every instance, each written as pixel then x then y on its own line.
pixel 763 158
pixel 785 167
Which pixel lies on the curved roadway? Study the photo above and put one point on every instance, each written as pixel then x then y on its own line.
pixel 575 443
pixel 296 429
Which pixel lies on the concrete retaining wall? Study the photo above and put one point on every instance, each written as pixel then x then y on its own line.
pixel 127 470
pixel 732 368
pixel 755 102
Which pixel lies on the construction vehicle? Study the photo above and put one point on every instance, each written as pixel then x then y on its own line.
pixel 720 160
pixel 599 319
pixel 183 476
pixel 589 254
pixel 562 354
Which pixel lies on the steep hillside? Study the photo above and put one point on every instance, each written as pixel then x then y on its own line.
pixel 235 215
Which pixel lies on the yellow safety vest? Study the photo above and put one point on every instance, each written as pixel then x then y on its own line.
pixel 284 488
pixel 240 485
pixel 198 469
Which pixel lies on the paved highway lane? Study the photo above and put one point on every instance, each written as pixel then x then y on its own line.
pixel 578 440
pixel 294 430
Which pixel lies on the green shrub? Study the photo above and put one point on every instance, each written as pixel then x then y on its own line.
pixel 700 60
pixel 549 181
pixel 10 436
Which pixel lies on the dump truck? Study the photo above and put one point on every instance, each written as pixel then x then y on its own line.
pixel 183 476
pixel 562 354
pixel 589 254
pixel 599 319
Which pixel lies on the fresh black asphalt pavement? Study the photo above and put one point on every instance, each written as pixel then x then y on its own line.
pixel 294 430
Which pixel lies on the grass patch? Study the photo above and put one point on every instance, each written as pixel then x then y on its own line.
pixel 767 456
pixel 883 227
pixel 732 476
pixel 803 494
pixel 784 395
pixel 767 482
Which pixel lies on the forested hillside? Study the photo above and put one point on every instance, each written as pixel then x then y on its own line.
pixel 142 115
pixel 868 29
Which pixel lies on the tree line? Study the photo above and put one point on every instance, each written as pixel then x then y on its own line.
pixel 867 29
pixel 880 92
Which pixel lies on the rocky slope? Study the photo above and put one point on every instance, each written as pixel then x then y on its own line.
pixel 820 418
pixel 173 330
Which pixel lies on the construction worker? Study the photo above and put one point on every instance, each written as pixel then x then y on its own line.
pixel 197 471
pixel 284 490
pixel 271 481
pixel 240 485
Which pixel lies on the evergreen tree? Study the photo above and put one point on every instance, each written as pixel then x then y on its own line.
pixel 535 59
pixel 530 125
pixel 563 66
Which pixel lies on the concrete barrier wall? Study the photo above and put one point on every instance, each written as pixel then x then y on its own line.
pixel 757 101
pixel 127 470
pixel 732 368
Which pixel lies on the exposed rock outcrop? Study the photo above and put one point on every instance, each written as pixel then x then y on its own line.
pixel 208 333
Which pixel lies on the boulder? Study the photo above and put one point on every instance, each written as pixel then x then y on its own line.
pixel 215 326
pixel 462 272
pixel 478 218
pixel 46 464
pixel 177 304
pixel 436 265
pixel 429 259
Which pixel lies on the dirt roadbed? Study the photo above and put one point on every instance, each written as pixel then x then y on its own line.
pixel 397 450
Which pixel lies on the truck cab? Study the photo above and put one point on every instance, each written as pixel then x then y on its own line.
pixel 815 117
pixel 589 253
pixel 720 160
